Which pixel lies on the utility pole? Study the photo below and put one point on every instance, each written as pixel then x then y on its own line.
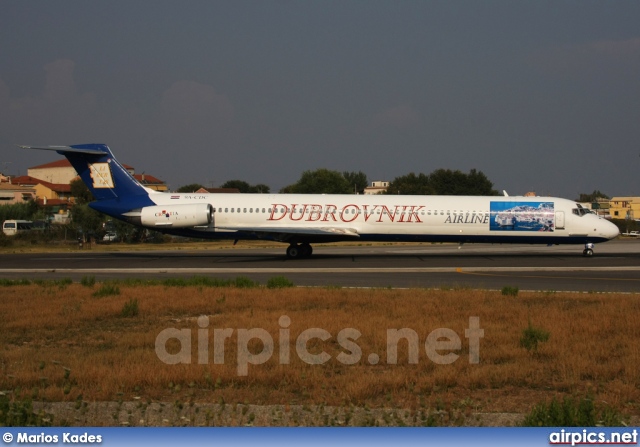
pixel 4 169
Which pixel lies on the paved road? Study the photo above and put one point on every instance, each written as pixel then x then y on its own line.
pixel 615 267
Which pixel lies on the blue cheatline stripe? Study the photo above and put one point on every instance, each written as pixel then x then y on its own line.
pixel 284 437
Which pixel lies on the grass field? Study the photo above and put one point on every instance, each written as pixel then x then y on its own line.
pixel 40 246
pixel 97 342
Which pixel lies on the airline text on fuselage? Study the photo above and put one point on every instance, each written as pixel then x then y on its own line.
pixel 310 212
pixel 467 218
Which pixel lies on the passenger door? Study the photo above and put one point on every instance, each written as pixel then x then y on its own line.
pixel 559 220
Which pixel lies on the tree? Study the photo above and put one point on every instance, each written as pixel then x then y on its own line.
pixel 87 220
pixel 320 181
pixel 192 187
pixel 19 211
pixel 245 187
pixel 457 183
pixel 240 185
pixel 356 180
pixel 80 192
pixel 596 194
pixel 443 182
pixel 262 188
pixel 411 184
pixel 127 232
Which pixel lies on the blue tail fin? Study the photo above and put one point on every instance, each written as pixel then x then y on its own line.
pixel 111 184
pixel 105 177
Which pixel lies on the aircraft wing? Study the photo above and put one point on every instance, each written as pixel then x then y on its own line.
pixel 288 233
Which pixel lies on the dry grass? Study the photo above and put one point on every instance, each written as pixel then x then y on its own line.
pixel 593 347
pixel 177 245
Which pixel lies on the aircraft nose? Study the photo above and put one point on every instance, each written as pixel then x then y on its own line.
pixel 610 230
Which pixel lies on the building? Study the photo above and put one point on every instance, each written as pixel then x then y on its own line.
pixel 11 194
pixel 625 208
pixel 60 172
pixel 376 188
pixel 218 190
pixel 601 207
pixel 151 182
pixel 57 172
pixel 54 198
pixel 45 190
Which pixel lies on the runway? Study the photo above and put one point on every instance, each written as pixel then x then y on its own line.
pixel 614 268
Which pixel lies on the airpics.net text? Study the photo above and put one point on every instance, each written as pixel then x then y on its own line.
pixel 441 345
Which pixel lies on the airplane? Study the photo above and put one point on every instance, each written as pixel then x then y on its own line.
pixel 304 219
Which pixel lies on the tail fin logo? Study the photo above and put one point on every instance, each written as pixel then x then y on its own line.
pixel 101 175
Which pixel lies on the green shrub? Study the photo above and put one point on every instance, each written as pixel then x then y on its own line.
pixel 107 290
pixel 88 281
pixel 570 413
pixel 21 414
pixel 5 241
pixel 61 283
pixel 205 281
pixel 510 291
pixel 130 308
pixel 531 336
pixel 279 282
pixel 242 282
pixel 14 282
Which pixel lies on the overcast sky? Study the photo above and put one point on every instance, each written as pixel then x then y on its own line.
pixel 539 95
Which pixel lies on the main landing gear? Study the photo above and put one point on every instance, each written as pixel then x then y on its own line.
pixel 588 250
pixel 299 251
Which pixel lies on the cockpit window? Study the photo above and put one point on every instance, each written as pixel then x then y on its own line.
pixel 580 210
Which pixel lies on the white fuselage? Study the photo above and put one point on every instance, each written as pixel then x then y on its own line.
pixel 388 217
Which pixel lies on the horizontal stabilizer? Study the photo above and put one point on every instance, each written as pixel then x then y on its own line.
pixel 65 149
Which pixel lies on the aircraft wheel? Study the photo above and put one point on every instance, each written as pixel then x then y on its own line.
pixel 587 252
pixel 306 250
pixel 294 252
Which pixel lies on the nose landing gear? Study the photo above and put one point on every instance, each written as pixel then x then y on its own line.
pixel 588 250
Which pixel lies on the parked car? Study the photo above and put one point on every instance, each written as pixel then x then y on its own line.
pixel 13 227
pixel 110 237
